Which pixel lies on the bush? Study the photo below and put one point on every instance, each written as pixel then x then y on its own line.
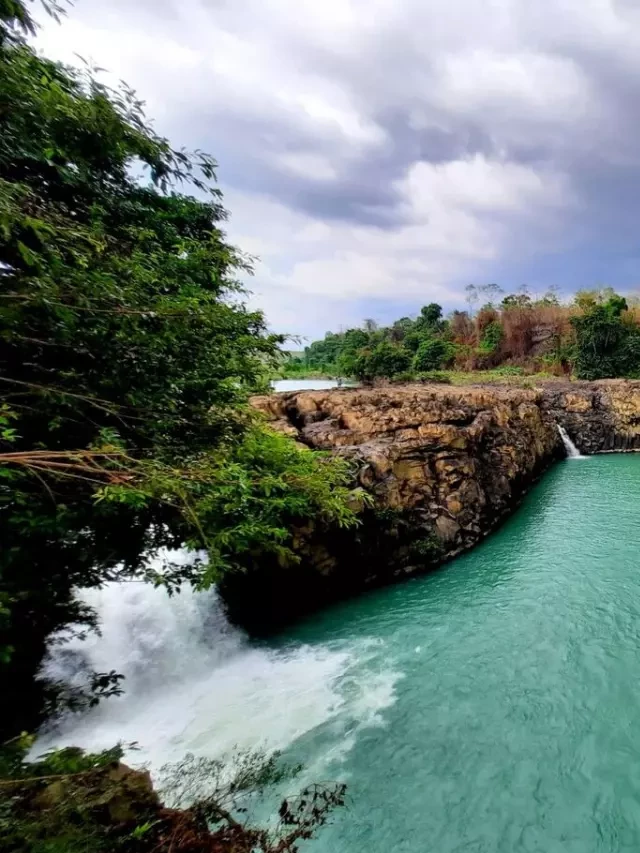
pixel 510 370
pixel 69 801
pixel 435 376
pixel 405 376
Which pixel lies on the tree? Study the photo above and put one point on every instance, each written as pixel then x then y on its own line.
pixel 585 299
pixel 385 361
pixel 491 293
pixel 432 354
pixel 516 300
pixel 400 329
pixel 462 329
pixel 126 359
pixel 550 297
pixel 492 337
pixel 353 342
pixel 605 345
pixel 430 316
pixel 472 297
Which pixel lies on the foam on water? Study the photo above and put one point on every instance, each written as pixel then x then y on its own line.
pixel 194 683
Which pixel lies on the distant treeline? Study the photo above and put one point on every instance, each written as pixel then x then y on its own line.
pixel 596 335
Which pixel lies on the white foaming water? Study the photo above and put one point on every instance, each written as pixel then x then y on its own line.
pixel 193 683
pixel 572 450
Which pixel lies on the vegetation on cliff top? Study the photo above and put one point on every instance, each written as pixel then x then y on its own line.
pixel 126 359
pixel 596 336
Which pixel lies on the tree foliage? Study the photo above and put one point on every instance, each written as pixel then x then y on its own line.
pixel 492 337
pixel 376 351
pixel 126 359
pixel 596 334
pixel 432 354
pixel 607 344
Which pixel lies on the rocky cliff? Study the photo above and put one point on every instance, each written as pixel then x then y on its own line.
pixel 599 416
pixel 444 465
pixel 457 458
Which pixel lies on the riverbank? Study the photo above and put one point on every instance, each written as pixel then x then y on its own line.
pixel 511 376
pixel 501 691
pixel 306 374
pixel 442 466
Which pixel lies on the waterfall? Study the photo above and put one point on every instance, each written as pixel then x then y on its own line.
pixel 572 450
pixel 194 683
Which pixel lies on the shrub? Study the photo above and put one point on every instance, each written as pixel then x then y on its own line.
pixel 434 376
pixel 405 376
pixel 510 370
pixel 73 802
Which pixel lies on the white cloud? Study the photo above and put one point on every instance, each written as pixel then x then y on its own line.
pixel 386 149
pixel 477 184
pixel 530 86
pixel 455 226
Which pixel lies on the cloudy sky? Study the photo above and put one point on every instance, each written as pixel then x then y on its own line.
pixel 380 154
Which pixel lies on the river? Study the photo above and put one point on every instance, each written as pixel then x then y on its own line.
pixel 310 384
pixel 491 706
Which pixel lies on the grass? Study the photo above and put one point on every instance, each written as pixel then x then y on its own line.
pixel 499 375
pixel 477 377
pixel 304 374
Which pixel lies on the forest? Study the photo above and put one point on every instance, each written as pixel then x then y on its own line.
pixel 595 335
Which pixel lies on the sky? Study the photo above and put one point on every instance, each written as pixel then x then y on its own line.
pixel 378 155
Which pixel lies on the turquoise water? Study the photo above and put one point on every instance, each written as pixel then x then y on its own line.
pixel 516 720
pixel 491 706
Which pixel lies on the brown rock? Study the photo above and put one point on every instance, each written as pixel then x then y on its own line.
pixel 475 448
pixel 443 464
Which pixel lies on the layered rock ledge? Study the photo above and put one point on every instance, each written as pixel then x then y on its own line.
pixel 444 464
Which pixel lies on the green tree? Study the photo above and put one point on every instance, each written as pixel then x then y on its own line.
pixel 606 346
pixel 385 360
pixel 432 354
pixel 516 300
pixel 353 342
pixel 323 355
pixel 430 317
pixel 492 337
pixel 126 359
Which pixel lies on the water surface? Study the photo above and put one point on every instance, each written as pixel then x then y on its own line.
pixel 309 384
pixel 491 706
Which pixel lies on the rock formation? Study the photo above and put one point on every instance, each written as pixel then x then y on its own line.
pixel 599 416
pixel 458 458
pixel 444 465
